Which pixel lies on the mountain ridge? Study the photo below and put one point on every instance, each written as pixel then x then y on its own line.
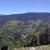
pixel 26 16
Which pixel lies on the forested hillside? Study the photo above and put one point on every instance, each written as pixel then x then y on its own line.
pixel 24 30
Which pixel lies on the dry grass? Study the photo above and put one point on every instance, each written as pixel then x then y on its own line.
pixel 46 47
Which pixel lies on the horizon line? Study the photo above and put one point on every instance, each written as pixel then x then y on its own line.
pixel 24 13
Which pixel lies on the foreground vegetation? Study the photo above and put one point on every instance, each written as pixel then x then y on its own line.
pixel 24 33
pixel 18 34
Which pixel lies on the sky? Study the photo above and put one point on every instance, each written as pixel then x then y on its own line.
pixel 23 6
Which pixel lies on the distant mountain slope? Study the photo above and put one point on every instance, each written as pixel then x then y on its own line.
pixel 25 16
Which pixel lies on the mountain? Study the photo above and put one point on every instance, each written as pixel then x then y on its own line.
pixel 25 16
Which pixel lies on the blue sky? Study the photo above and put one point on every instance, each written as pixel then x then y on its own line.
pixel 22 6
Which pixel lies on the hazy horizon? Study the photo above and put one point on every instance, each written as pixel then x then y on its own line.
pixel 24 13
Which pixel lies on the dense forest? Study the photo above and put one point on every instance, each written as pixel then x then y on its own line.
pixel 24 30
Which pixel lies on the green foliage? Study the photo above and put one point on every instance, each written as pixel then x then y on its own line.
pixel 16 33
